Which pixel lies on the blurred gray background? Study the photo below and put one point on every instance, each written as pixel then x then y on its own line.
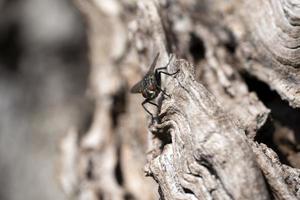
pixel 43 80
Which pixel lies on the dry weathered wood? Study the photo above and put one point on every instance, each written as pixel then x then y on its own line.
pixel 202 145
pixel 266 37
pixel 215 67
pixel 273 29
pixel 163 165
pixel 283 180
pixel 188 134
pixel 206 147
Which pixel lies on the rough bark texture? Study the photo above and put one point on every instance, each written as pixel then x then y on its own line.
pixel 206 140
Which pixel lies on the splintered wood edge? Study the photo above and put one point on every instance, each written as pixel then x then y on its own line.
pixel 284 181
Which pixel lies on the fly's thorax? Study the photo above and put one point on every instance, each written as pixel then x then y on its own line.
pixel 151 88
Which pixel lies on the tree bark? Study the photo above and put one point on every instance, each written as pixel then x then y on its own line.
pixel 203 144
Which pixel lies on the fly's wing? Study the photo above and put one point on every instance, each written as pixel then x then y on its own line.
pixel 151 70
pixel 137 88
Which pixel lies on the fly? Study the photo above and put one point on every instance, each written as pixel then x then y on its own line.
pixel 150 85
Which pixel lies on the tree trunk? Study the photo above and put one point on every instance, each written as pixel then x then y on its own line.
pixel 212 136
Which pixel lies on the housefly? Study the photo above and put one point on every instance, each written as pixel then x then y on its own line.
pixel 150 85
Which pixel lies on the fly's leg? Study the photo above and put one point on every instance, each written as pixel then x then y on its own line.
pixel 143 104
pixel 148 101
pixel 165 67
pixel 169 74
pixel 159 72
pixel 163 91
pixel 166 73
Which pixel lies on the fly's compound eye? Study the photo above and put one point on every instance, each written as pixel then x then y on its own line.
pixel 145 94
